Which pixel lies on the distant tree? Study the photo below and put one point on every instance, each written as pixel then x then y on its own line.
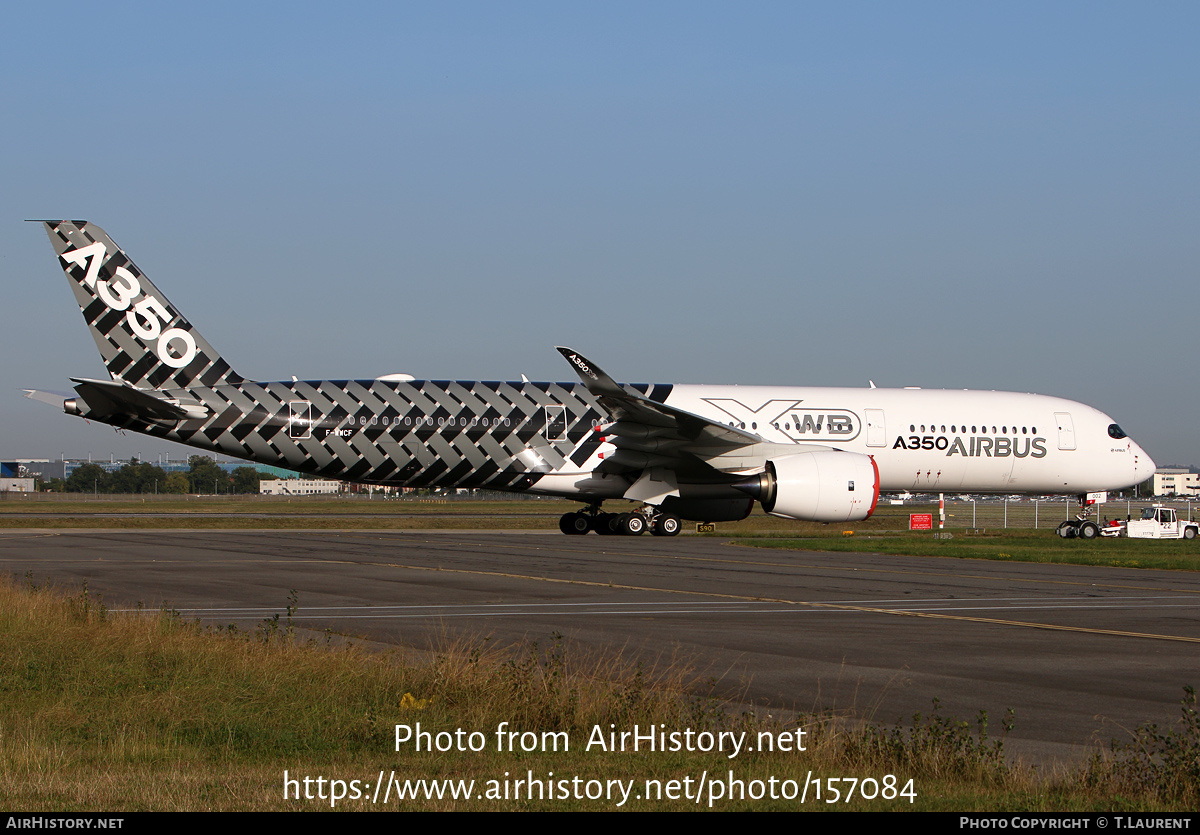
pixel 206 477
pixel 175 483
pixel 124 480
pixel 88 478
pixel 152 478
pixel 136 477
pixel 245 480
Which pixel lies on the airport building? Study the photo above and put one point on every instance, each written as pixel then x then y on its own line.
pixel 299 486
pixel 1169 481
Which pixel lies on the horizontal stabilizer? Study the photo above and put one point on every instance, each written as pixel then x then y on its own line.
pixel 54 398
pixel 104 398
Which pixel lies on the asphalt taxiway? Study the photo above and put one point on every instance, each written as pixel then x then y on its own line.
pixel 1082 654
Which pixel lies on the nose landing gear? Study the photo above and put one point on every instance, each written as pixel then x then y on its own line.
pixel 1081 526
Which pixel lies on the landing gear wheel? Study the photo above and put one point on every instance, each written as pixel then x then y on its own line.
pixel 1067 530
pixel 1088 530
pixel 574 524
pixel 605 524
pixel 632 524
pixel 665 525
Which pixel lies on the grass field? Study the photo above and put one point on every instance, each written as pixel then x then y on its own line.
pixel 1011 545
pixel 147 712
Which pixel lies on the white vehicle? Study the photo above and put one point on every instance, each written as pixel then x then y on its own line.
pixel 1157 522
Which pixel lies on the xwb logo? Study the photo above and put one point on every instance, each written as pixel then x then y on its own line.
pixel 780 420
pixel 828 425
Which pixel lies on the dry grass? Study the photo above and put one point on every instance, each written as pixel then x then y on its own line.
pixel 147 712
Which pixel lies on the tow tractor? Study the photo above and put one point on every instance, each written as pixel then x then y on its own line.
pixel 1157 522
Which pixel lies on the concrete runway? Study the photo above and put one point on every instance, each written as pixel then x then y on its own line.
pixel 1080 653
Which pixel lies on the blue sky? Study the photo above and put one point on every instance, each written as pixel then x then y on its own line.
pixel 959 195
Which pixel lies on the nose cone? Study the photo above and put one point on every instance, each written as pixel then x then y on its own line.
pixel 1143 464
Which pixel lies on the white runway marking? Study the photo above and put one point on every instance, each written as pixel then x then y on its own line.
pixel 675 607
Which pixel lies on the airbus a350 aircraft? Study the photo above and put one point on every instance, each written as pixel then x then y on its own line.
pixel 703 453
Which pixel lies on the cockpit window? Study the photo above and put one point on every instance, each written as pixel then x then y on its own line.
pixel 1115 431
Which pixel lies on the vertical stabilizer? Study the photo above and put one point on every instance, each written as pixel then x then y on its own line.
pixel 143 339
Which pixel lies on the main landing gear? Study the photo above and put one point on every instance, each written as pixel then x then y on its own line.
pixel 625 524
pixel 1081 526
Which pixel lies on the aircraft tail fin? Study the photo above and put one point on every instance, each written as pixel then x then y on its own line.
pixel 144 341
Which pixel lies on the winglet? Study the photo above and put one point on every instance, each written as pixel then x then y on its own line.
pixel 634 408
pixel 597 382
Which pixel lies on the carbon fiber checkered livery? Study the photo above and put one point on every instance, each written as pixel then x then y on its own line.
pixel 94 266
pixel 433 433
pixel 419 434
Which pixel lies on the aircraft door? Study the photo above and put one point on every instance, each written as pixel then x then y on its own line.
pixel 1066 430
pixel 876 428
pixel 556 423
pixel 299 420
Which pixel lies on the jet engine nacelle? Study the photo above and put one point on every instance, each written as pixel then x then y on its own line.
pixel 822 486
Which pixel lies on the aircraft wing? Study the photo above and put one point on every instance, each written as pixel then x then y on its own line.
pixel 647 433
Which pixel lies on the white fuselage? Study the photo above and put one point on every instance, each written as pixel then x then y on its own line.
pixel 933 440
